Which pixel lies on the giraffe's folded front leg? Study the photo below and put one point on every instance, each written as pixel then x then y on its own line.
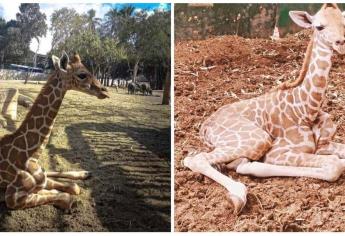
pixel 70 188
pixel 21 200
pixel 75 175
pixel 324 130
pixel 242 142
pixel 22 193
pixel 332 148
pixel 237 190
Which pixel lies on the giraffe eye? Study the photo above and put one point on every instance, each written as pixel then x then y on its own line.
pixel 320 27
pixel 82 75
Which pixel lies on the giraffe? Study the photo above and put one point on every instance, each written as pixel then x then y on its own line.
pixel 26 183
pixel 10 98
pixel 283 132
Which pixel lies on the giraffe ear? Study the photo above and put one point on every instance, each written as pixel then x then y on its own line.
pixel 75 58
pixel 56 62
pixel 301 18
pixel 64 60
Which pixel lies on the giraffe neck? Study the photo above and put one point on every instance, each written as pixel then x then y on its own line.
pixel 312 90
pixel 36 128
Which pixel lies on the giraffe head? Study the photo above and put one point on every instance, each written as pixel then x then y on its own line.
pixel 75 76
pixel 328 24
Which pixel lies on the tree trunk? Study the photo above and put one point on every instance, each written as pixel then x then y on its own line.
pixel 166 91
pixel 104 76
pixel 38 48
pixel 26 75
pixel 155 76
pixel 108 76
pixel 92 68
pixel 135 70
pixel 159 75
pixel 2 60
pixel 99 75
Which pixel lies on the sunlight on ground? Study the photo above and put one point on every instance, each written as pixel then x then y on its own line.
pixel 125 142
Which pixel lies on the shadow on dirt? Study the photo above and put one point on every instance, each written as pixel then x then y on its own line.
pixel 130 166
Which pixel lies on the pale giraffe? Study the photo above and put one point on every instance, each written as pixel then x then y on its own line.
pixel 26 183
pixel 285 129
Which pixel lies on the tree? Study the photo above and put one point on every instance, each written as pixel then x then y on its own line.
pixel 127 27
pixel 65 23
pixel 2 38
pixel 137 37
pixel 31 23
pixel 156 46
pixel 12 48
pixel 112 53
pixel 16 35
pixel 98 53
pixel 116 21
pixel 92 21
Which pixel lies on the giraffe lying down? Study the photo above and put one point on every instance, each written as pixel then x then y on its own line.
pixel 283 132
pixel 26 183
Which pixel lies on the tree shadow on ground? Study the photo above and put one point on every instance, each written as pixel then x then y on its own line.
pixel 131 173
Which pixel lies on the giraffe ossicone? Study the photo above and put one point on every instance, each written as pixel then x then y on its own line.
pixel 283 132
pixel 26 183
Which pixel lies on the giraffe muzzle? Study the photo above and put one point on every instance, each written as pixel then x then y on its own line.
pixel 339 48
pixel 103 93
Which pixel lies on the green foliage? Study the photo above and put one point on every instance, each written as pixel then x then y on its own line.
pixel 134 39
pixel 145 37
pixel 118 23
pixel 156 46
pixel 66 22
pixel 16 35
pixel 79 34
pixel 31 21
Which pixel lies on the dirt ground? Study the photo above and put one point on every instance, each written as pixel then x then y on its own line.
pixel 125 142
pixel 223 70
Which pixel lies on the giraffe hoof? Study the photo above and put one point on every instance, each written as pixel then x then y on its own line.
pixel 85 174
pixel 74 190
pixel 65 201
pixel 191 153
pixel 238 203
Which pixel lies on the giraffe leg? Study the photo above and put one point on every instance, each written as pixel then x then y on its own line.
pixel 292 164
pixel 22 199
pixel 201 164
pixel 75 175
pixel 70 188
pixel 230 146
pixel 24 193
pixel 324 131
pixel 332 148
pixel 41 180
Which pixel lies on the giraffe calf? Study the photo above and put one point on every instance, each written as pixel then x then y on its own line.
pixel 26 183
pixel 283 132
